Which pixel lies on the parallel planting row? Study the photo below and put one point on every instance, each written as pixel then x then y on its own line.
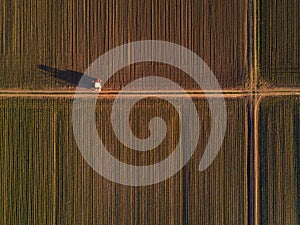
pixel 44 178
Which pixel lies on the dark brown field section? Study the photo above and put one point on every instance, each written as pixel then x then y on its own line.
pixel 279 151
pixel 45 179
pixel 70 35
pixel 279 43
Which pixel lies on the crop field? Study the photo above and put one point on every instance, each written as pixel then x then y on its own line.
pixel 279 43
pixel 279 160
pixel 45 180
pixel 70 35
pixel 251 46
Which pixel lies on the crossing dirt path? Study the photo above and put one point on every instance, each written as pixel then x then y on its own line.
pixel 110 94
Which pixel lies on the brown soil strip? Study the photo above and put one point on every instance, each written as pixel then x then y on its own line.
pixel 110 94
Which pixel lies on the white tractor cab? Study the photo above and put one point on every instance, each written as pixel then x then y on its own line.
pixel 98 85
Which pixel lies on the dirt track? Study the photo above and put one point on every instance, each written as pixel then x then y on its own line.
pixel 112 94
